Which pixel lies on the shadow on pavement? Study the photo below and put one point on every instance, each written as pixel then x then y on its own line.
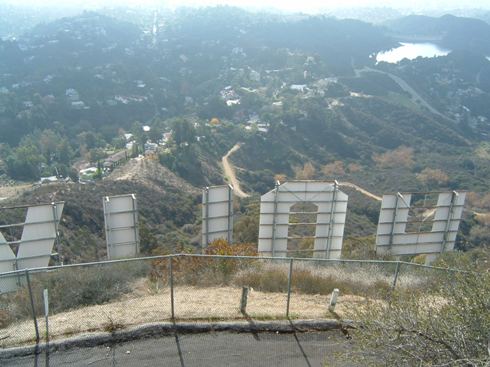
pixel 297 349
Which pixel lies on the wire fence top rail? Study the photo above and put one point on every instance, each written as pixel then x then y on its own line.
pixel 270 258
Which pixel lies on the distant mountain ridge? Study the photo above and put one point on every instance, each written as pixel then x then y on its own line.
pixel 289 88
pixel 455 33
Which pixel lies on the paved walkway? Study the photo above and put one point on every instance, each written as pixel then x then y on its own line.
pixel 215 349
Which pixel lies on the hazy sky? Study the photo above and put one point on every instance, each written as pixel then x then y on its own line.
pixel 287 5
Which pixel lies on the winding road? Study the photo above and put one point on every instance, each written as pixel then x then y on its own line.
pixel 229 172
pixel 414 95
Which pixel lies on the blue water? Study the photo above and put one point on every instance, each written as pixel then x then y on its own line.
pixel 411 51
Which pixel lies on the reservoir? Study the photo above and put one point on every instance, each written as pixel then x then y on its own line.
pixel 411 51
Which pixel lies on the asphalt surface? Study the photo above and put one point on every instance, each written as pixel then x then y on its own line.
pixel 212 349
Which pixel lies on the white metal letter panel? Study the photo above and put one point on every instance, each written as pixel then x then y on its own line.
pixel 121 223
pixel 275 208
pixel 217 214
pixel 391 234
pixel 7 263
pixel 7 256
pixel 39 235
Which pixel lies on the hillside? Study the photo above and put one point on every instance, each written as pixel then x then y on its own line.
pixel 167 209
pixel 302 96
pixel 454 33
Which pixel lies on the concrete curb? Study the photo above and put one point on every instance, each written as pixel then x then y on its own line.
pixel 166 328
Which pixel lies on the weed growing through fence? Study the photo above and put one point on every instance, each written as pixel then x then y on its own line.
pixel 111 325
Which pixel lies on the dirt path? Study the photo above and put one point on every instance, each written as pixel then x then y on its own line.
pixel 483 217
pixel 229 172
pixel 361 190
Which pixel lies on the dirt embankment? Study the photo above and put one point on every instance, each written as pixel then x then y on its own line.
pixel 10 192
pixel 150 173
pixel 361 190
pixel 229 172
pixel 191 303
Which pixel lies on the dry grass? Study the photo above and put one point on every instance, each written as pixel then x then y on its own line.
pixel 368 281
pixel 9 192
pixel 89 300
pixel 191 303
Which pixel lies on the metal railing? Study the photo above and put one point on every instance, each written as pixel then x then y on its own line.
pixel 117 294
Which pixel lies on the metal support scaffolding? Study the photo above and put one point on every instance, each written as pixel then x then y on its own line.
pixel 393 223
pixel 206 218
pixel 331 222
pixel 33 309
pixel 171 283
pixel 276 191
pixel 290 280
pixel 230 215
pixel 449 219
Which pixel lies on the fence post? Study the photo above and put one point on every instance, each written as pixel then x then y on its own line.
pixel 171 280
pixel 290 276
pixel 46 313
pixel 32 306
pixel 333 300
pixel 244 300
pixel 397 272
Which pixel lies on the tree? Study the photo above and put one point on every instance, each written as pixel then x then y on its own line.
pixel 354 167
pixel 447 326
pixel 96 154
pixel 399 157
pixel 25 161
pixel 480 201
pixel 281 177
pixel 246 228
pixel 307 172
pixel 433 177
pixel 98 173
pixel 48 142
pixel 334 169
pixel 184 132
pixel 148 239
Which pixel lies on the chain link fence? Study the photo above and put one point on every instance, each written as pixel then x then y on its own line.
pixel 117 295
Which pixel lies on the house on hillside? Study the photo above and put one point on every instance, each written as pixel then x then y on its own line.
pixel 72 95
pixel 48 180
pixel 87 175
pixel 298 87
pixel 150 148
pixel 78 105
pixel 115 160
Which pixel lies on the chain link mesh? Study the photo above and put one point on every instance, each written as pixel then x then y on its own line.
pixel 112 296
